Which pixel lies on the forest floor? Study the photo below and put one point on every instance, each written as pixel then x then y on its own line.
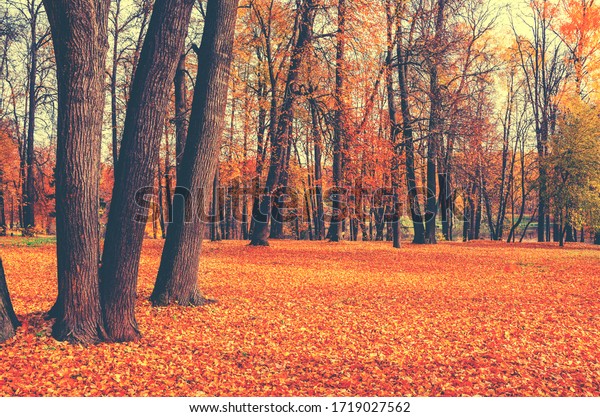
pixel 349 319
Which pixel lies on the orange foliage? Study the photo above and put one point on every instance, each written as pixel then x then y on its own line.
pixel 313 318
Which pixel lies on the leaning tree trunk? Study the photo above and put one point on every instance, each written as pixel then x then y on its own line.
pixel 136 166
pixel 280 141
pixel 177 280
pixel 79 34
pixel 8 318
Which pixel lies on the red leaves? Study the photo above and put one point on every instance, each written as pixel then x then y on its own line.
pixel 309 318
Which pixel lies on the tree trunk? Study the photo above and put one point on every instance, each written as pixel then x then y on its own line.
pixel 571 233
pixel 280 141
pixel 407 134
pixel 394 131
pixel 278 206
pixel 177 278
pixel 29 184
pixel 8 318
pixel 467 218
pixel 2 204
pixel 168 179
pixel 339 126
pixel 541 228
pixel 113 85
pixel 181 116
pixel 79 33
pixel 435 129
pixel 319 217
pixel 478 215
pixel 215 235
pixel 260 151
pixel 136 167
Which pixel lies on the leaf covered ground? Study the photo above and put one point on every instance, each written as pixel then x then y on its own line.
pixel 349 319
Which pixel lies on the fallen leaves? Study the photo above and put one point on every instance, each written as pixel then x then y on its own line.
pixel 311 318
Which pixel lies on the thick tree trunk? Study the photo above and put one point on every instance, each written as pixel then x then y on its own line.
pixel 280 141
pixel 8 318
pixel 177 278
pixel 136 167
pixel 79 33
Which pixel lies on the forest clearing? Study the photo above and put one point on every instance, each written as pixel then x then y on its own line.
pixel 325 319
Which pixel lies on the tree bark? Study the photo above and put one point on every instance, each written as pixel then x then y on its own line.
pixel 136 167
pixel 177 278
pixel 79 33
pixel 215 222
pixel 181 116
pixel 318 143
pixel 339 126
pixel 435 129
pixel 394 129
pixel 407 135
pixel 8 318
pixel 29 183
pixel 3 227
pixel 113 85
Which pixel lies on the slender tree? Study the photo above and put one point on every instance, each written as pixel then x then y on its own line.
pixel 394 125
pixel 402 53
pixel 542 63
pixel 339 126
pixel 181 111
pixel 280 142
pixel 34 9
pixel 435 125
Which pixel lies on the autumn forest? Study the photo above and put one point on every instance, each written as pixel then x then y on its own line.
pixel 299 197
